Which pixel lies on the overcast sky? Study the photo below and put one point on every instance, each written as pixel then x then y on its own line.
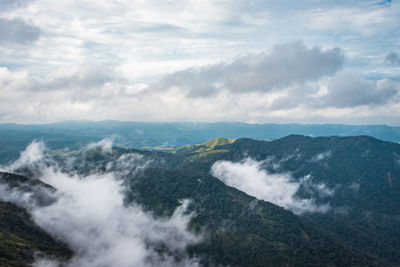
pixel 311 61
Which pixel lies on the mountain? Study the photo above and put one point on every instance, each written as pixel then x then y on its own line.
pixel 146 135
pixel 240 229
pixel 363 172
pixel 335 200
pixel 20 238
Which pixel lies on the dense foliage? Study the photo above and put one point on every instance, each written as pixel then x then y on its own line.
pixel 20 238
pixel 361 228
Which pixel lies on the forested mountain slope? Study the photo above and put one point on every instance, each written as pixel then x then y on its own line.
pixel 335 200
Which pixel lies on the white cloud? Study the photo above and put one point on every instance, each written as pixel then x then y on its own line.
pixel 346 90
pixel 278 188
pixel 96 60
pixel 88 214
pixel 321 189
pixel 171 34
pixel 17 31
pixel 285 65
pixel 103 96
pixel 12 4
pixel 354 186
pixel 105 145
pixel 32 154
pixel 321 156
pixel 362 19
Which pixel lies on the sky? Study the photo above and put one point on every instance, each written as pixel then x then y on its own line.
pixel 255 61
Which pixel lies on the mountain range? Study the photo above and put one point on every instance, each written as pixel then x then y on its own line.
pixel 296 200
pixel 150 135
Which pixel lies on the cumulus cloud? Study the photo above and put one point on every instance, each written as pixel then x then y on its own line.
pixel 78 84
pixel 168 37
pixel 250 177
pixel 17 31
pixel 89 215
pixel 290 83
pixel 393 58
pixel 286 64
pixel 84 78
pixel 78 91
pixel 27 98
pixel 341 91
pixel 347 90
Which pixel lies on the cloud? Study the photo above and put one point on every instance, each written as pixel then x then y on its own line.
pixel 221 57
pixel 133 44
pixel 89 215
pixel 29 195
pixel 397 158
pixel 354 20
pixel 354 186
pixel 384 2
pixel 17 31
pixel 343 90
pixel 171 36
pixel 32 154
pixel 82 79
pixel 7 5
pixel 278 188
pixel 393 58
pixel 105 145
pixel 285 65
pixel 321 156
pixel 77 91
pixel 347 90
pixel 343 98
pixel 321 189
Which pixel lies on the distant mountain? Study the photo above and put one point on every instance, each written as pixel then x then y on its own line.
pixel 75 134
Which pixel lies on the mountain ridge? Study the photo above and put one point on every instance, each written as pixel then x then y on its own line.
pixel 153 135
pixel 353 171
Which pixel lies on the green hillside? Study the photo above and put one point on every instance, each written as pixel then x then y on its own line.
pixel 366 206
pixel 219 141
pixel 20 237
pixel 360 229
pixel 240 230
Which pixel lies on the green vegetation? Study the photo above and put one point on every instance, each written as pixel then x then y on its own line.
pixel 164 136
pixel 219 141
pixel 238 229
pixel 21 238
pixel 360 229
